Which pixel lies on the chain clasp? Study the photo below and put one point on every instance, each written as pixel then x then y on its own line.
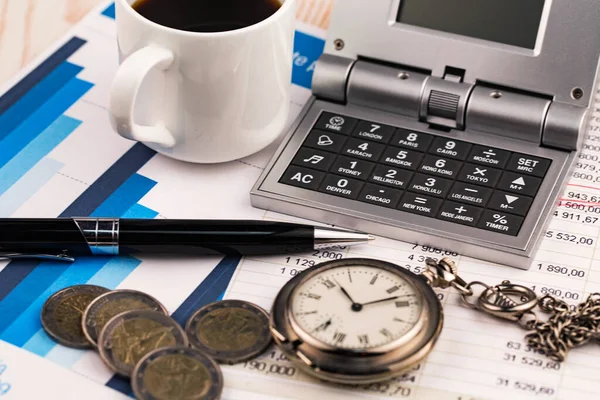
pixel 499 301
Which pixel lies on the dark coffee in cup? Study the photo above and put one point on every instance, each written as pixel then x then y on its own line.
pixel 207 15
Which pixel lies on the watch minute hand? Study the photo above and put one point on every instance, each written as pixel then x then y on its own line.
pixel 380 301
pixel 345 291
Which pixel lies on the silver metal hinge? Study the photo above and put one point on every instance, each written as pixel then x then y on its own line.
pixel 449 102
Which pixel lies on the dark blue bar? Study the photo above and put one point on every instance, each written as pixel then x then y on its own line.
pixel 209 290
pixel 13 274
pixel 110 11
pixel 108 183
pixel 120 384
pixel 35 76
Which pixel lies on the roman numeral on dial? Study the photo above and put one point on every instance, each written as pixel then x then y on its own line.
pixel 363 339
pixel 339 337
pixel 386 333
pixel 392 289
pixel 328 284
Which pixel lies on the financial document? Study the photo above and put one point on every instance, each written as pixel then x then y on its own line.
pixel 60 157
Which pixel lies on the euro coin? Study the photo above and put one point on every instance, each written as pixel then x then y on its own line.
pixel 62 314
pixel 129 336
pixel 177 373
pixel 230 331
pixel 105 307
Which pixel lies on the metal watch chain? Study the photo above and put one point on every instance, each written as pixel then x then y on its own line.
pixel 566 328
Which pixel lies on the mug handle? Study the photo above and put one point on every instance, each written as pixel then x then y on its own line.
pixel 124 91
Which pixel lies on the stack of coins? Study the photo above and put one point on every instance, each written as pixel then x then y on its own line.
pixel 137 339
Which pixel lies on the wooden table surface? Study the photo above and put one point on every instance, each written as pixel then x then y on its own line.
pixel 27 27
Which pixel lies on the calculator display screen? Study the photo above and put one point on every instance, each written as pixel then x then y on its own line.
pixel 512 22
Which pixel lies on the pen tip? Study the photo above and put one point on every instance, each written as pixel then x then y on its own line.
pixel 371 238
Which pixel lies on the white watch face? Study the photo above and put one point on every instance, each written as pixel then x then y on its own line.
pixel 357 307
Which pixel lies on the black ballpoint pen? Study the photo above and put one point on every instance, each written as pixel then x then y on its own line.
pixel 64 238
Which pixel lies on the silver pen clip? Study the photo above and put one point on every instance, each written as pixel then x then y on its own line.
pixel 46 257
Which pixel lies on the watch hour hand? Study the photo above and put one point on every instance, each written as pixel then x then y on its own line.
pixel 345 292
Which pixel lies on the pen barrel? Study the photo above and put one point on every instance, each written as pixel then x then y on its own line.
pixel 41 236
pixel 211 237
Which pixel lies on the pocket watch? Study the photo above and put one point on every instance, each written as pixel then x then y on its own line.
pixel 356 320
pixel 359 320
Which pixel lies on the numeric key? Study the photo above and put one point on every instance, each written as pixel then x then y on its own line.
pixel 440 166
pixel 430 185
pixel 408 159
pixel 350 167
pixel 450 148
pixel 392 177
pixel 372 131
pixel 412 140
pixel 363 149
pixel 340 186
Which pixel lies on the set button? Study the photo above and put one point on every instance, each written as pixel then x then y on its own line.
pixel 336 123
pixel 529 165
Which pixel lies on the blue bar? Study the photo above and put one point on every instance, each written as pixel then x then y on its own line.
pixel 28 322
pixel 137 211
pixel 125 197
pixel 42 118
pixel 38 74
pixel 40 343
pixel 28 290
pixel 114 272
pixel 27 186
pixel 109 11
pixel 120 384
pixel 64 356
pixel 36 97
pixel 110 181
pixel 307 50
pixel 35 151
pixel 12 275
pixel 209 290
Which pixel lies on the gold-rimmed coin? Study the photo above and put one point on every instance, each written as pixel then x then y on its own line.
pixel 105 307
pixel 62 313
pixel 177 373
pixel 230 331
pixel 129 336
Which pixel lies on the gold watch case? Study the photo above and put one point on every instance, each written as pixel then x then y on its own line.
pixel 339 365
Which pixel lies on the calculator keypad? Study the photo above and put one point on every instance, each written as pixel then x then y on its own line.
pixel 419 173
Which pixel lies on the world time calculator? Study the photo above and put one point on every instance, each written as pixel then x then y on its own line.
pixel 448 123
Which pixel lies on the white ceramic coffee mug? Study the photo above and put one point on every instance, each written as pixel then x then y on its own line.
pixel 202 97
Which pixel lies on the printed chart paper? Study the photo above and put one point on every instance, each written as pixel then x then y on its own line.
pixel 60 157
